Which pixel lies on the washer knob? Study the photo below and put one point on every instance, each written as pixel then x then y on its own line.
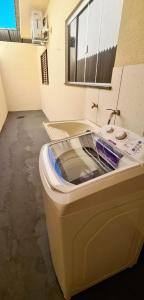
pixel 109 129
pixel 121 135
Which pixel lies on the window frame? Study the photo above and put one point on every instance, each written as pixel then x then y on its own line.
pixel 75 14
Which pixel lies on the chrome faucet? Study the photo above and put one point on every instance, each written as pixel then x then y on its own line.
pixel 94 105
pixel 114 112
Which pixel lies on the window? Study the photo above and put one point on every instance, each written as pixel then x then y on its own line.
pixel 7 14
pixel 91 41
pixel 44 68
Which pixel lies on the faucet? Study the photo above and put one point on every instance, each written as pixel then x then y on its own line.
pixel 94 105
pixel 114 112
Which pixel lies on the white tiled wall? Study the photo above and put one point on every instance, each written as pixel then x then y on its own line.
pixel 131 100
pixel 108 99
pixel 92 96
pixel 127 95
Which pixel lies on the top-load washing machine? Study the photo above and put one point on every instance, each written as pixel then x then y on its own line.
pixel 94 204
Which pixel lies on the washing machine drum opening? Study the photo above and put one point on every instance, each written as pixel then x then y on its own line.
pixel 76 166
pixel 76 161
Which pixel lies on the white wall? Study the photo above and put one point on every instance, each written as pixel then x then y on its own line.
pixel 19 71
pixel 106 99
pixel 131 99
pixel 21 74
pixel 3 105
pixel 60 102
pixel 64 102
pixel 127 95
pixel 127 92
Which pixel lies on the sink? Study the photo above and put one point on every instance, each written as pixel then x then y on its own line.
pixel 63 129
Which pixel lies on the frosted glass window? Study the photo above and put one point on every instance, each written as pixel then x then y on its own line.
pixel 94 19
pixel 82 44
pixel 110 23
pixel 72 50
pixel 96 30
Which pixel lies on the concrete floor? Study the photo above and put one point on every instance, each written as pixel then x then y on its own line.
pixel 26 271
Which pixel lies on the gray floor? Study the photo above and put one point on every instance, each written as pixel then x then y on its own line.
pixel 26 271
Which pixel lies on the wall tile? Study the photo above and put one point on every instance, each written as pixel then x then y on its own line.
pixel 131 100
pixel 92 96
pixel 108 98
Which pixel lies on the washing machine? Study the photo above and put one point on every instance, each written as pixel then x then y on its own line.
pixel 94 204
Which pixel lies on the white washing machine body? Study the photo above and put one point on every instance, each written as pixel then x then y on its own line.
pixel 94 203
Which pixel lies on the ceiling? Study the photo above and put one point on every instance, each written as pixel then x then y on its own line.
pixel 25 10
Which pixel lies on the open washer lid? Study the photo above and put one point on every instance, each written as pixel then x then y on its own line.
pixel 77 160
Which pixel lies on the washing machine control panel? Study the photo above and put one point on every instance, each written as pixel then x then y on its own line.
pixel 124 140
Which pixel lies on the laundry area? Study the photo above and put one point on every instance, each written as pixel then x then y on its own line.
pixel 71 150
pixel 25 261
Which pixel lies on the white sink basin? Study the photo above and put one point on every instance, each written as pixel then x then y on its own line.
pixel 62 129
